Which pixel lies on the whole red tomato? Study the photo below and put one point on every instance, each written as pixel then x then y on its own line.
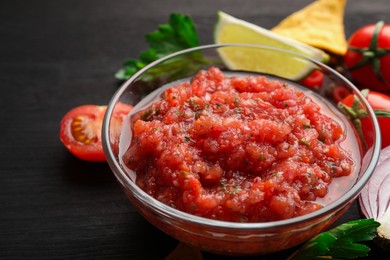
pixel 381 104
pixel 80 130
pixel 368 57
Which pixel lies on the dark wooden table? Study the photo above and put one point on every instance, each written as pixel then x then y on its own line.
pixel 55 55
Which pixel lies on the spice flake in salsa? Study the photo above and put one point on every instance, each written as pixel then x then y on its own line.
pixel 237 148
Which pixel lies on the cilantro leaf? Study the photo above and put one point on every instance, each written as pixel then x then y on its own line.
pixel 341 242
pixel 178 34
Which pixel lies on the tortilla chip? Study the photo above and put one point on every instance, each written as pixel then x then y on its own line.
pixel 320 24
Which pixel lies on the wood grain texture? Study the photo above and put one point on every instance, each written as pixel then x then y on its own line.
pixel 55 55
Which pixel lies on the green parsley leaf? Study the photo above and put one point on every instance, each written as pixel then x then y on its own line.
pixel 341 242
pixel 178 34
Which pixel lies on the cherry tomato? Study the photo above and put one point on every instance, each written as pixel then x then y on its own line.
pixel 80 130
pixel 381 104
pixel 339 93
pixel 314 80
pixel 368 57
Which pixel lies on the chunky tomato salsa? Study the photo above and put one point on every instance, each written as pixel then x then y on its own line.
pixel 237 148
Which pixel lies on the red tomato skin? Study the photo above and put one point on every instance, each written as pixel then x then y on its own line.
pixel 339 93
pixel 92 151
pixel 314 80
pixel 384 124
pixel 378 101
pixel 365 76
pixel 119 114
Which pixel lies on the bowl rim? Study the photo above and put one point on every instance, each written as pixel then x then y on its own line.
pixel 172 213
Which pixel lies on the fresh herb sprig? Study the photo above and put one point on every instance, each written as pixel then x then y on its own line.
pixel 178 34
pixel 341 242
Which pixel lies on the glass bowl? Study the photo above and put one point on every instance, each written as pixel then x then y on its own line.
pixel 230 237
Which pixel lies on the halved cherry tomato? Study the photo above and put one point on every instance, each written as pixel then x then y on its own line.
pixel 314 80
pixel 381 104
pixel 80 130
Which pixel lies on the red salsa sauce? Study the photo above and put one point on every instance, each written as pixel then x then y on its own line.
pixel 237 148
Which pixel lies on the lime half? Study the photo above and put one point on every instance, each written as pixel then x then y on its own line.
pixel 229 29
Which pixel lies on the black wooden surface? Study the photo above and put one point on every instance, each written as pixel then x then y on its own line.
pixel 55 55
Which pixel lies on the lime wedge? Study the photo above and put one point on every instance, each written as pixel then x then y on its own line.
pixel 229 29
